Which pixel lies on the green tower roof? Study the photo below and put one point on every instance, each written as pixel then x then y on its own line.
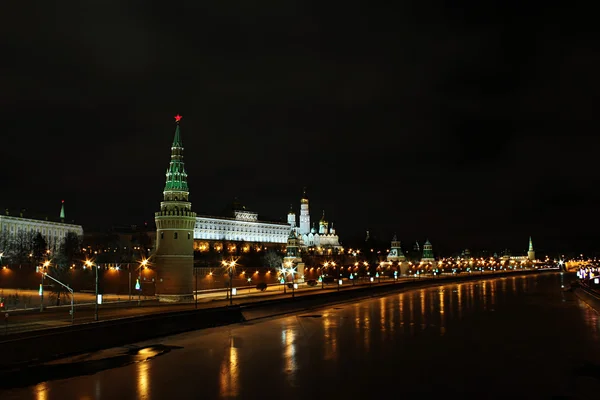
pixel 176 175
pixel 62 211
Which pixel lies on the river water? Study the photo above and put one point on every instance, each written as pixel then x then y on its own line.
pixel 500 338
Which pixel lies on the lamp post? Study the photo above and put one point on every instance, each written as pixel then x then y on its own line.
pixel 129 269
pixel 91 265
pixel 292 271
pixel 325 264
pixel 231 266
pixel 44 266
pixel 196 291
pixel 143 264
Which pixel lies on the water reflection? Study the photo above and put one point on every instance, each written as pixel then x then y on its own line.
pixel 288 341
pixel 459 305
pixel 411 310
pixel 330 342
pixel 41 391
pixel 484 294
pixel 442 316
pixel 142 378
pixel 229 373
pixel 493 285
pixel 382 326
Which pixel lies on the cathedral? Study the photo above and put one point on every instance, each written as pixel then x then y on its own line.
pixel 323 239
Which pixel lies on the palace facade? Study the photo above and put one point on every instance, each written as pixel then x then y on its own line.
pixel 242 226
pixel 13 228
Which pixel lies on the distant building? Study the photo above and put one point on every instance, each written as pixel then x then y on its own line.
pixel 396 253
pixel 531 252
pixel 427 252
pixel 16 228
pixel 238 225
pixel 324 239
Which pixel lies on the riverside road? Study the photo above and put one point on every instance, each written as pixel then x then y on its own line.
pixel 506 337
pixel 31 320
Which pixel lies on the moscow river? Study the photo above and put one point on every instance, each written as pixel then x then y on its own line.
pixel 501 338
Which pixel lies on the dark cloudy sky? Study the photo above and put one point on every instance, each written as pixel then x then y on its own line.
pixel 471 123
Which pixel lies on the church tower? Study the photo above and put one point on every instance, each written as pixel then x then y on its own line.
pixel 304 215
pixel 323 225
pixel 291 218
pixel 531 252
pixel 174 256
pixel 396 253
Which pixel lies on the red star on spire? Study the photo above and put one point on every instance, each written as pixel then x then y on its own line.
pixel 177 118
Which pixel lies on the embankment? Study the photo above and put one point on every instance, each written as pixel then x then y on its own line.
pixel 43 345
pixel 588 295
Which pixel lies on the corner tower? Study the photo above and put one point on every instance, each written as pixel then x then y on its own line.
pixel 304 215
pixel 174 256
pixel 531 252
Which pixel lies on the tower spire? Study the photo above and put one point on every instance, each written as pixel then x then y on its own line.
pixel 530 244
pixel 175 222
pixel 62 212
pixel 176 175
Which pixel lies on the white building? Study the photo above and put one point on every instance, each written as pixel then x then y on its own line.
pixel 325 238
pixel 244 226
pixel 53 232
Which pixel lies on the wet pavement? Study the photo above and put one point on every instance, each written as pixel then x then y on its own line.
pixel 510 337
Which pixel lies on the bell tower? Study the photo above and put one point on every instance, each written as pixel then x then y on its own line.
pixel 174 256
pixel 304 214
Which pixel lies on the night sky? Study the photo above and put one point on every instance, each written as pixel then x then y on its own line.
pixel 472 124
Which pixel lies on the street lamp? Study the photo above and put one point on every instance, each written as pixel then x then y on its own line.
pixel 292 271
pixel 143 265
pixel 91 264
pixel 44 267
pixel 231 266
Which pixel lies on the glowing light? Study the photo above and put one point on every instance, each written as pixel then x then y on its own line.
pixel 178 118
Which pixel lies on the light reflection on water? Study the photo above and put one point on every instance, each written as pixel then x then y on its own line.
pixel 442 316
pixel 289 343
pixel 143 380
pixel 459 305
pixel 41 391
pixel 330 342
pixel 484 294
pixel 229 373
pixel 279 348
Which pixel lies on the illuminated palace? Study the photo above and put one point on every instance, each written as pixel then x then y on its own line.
pixel 15 228
pixel 242 226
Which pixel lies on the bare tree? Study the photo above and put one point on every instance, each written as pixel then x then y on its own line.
pixel 21 246
pixel 39 247
pixel 272 259
pixel 5 243
pixel 69 252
